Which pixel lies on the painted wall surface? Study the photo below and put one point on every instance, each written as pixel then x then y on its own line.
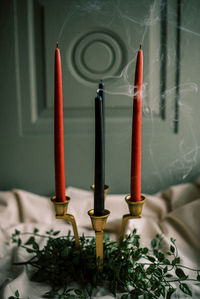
pixel 99 40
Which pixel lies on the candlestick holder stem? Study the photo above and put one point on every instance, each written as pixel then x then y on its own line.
pixel 98 224
pixel 61 213
pixel 135 209
pixel 99 249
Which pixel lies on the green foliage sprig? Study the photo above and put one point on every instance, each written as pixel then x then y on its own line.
pixel 128 269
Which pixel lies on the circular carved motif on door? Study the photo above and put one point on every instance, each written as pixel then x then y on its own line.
pixel 97 55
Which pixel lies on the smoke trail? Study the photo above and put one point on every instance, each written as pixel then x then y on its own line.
pixel 135 28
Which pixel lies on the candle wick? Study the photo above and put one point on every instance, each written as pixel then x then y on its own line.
pixel 56 44
pixel 140 46
pixel 101 85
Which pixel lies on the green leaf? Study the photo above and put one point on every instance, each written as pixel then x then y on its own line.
pixel 161 256
pixel 158 272
pixel 78 292
pixel 172 249
pixel 35 231
pixel 145 250
pixel 136 242
pixel 162 288
pixel 134 231
pixel 11 297
pixel 17 293
pixel 125 296
pixel 35 246
pixel 165 269
pixel 153 243
pixel 19 242
pixel 198 277
pixel 69 290
pixel 155 252
pixel 185 289
pixel 17 232
pixel 176 261
pixel 56 233
pixel 29 250
pixel 172 240
pixel 30 241
pixel 181 274
pixel 151 258
pixel 166 262
pixel 170 292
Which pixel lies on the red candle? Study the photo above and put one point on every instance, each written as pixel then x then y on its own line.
pixel 136 131
pixel 58 131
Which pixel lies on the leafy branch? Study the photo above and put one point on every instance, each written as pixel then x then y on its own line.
pixel 128 269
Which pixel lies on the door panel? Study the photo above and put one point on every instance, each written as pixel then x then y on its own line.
pixel 98 40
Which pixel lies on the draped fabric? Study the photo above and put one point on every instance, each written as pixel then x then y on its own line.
pixel 174 212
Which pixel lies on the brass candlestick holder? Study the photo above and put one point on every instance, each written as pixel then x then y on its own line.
pixel 135 209
pixel 106 187
pixel 61 213
pixel 98 224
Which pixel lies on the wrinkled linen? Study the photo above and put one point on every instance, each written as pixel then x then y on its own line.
pixel 171 213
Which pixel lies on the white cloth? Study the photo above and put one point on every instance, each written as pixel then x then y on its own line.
pixel 171 213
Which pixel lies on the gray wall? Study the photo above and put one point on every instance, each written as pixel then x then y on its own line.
pixel 98 39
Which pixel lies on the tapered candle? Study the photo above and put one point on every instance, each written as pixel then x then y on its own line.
pixel 136 130
pixel 101 94
pixel 58 130
pixel 99 178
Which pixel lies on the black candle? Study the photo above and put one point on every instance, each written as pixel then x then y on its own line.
pixel 99 159
pixel 101 94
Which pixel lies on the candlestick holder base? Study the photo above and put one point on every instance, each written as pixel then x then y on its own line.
pixel 106 187
pixel 135 209
pixel 61 213
pixel 98 224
